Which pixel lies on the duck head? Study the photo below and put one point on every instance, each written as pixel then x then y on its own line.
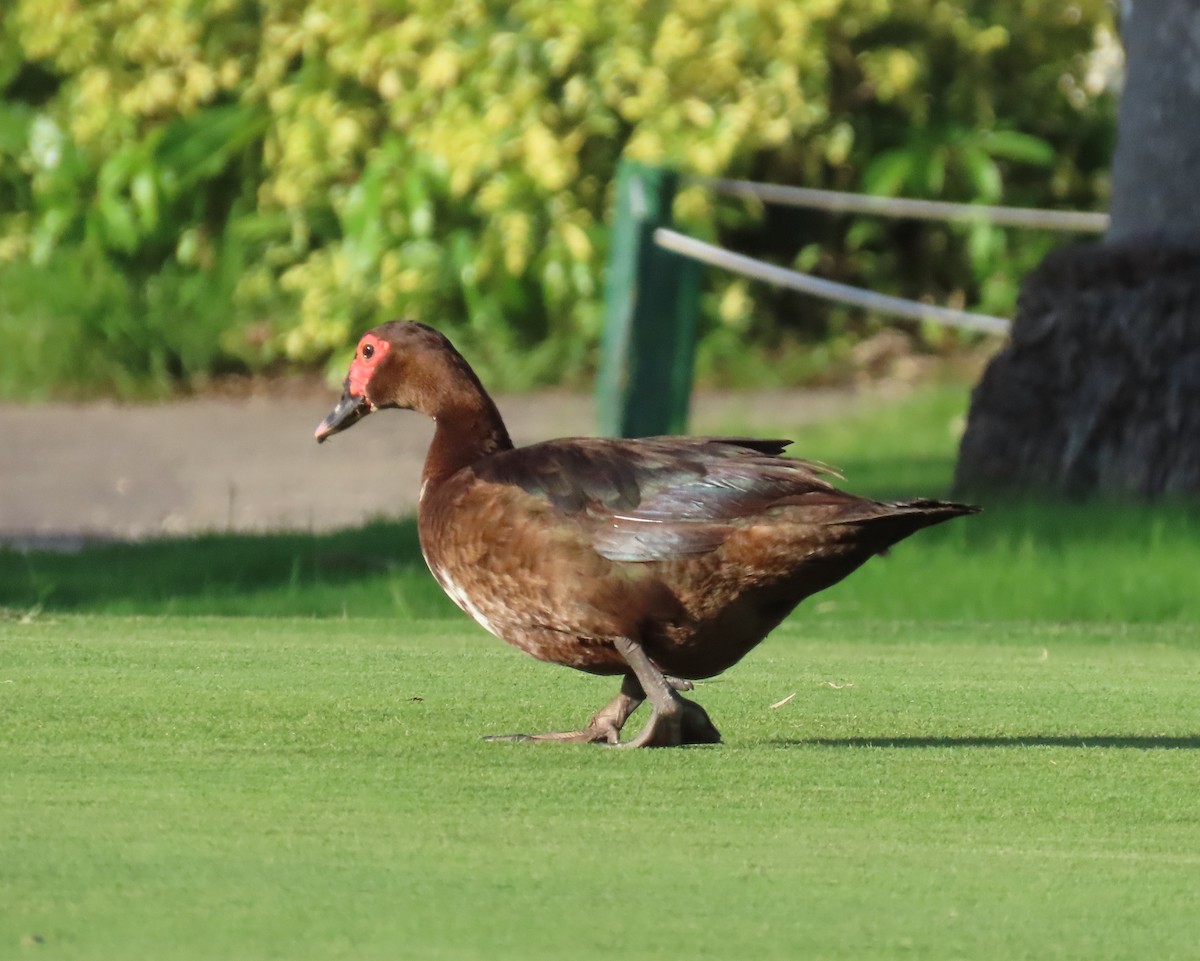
pixel 399 364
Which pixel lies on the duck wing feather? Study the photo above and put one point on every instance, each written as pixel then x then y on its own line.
pixel 660 498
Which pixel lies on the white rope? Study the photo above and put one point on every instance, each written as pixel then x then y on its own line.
pixel 836 200
pixel 827 289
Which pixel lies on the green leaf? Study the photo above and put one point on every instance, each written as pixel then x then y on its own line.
pixel 15 120
pixel 984 241
pixel 1021 147
pixel 934 171
pixel 201 146
pixel 889 172
pixel 144 191
pixel 53 224
pixel 983 173
pixel 117 223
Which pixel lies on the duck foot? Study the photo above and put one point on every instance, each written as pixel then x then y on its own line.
pixel 687 723
pixel 605 725
pixel 680 721
pixel 676 720
pixel 586 736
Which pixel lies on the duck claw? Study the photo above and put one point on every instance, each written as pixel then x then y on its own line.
pixel 592 734
pixel 680 721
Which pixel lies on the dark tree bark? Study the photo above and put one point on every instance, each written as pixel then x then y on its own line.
pixel 1157 158
pixel 1098 391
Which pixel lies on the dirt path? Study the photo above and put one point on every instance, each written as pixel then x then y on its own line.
pixel 69 473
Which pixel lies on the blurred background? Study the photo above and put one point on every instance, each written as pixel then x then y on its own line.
pixel 190 192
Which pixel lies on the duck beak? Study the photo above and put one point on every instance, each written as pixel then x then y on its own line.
pixel 348 411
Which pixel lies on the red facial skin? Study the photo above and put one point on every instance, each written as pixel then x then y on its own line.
pixel 371 350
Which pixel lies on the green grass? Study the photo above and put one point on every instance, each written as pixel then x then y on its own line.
pixel 1014 562
pixel 1017 561
pixel 903 447
pixel 198 788
pixel 258 747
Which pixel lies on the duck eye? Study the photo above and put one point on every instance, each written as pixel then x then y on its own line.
pixel 367 351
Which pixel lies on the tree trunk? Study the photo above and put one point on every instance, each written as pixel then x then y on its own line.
pixel 1158 128
pixel 1098 391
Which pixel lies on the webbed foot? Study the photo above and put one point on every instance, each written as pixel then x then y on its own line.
pixel 675 720
pixel 605 725
pixel 685 723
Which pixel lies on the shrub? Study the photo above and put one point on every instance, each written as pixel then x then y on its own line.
pixel 318 166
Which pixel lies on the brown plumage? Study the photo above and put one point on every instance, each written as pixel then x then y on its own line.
pixel 662 559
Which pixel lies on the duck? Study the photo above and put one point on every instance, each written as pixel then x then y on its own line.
pixel 658 560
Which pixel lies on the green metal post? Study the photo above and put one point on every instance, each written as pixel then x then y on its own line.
pixel 651 297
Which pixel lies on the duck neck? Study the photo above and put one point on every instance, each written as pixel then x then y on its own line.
pixel 465 432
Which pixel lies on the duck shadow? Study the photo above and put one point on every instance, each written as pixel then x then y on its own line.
pixel 1136 742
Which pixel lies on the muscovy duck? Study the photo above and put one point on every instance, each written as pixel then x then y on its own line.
pixel 661 559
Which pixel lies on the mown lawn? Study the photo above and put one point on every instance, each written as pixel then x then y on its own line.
pixel 246 788
pixel 269 747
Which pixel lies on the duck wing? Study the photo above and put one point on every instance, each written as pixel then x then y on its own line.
pixel 660 498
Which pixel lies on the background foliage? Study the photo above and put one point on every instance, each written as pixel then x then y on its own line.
pixel 187 189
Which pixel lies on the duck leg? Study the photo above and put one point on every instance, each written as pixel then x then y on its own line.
pixel 675 720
